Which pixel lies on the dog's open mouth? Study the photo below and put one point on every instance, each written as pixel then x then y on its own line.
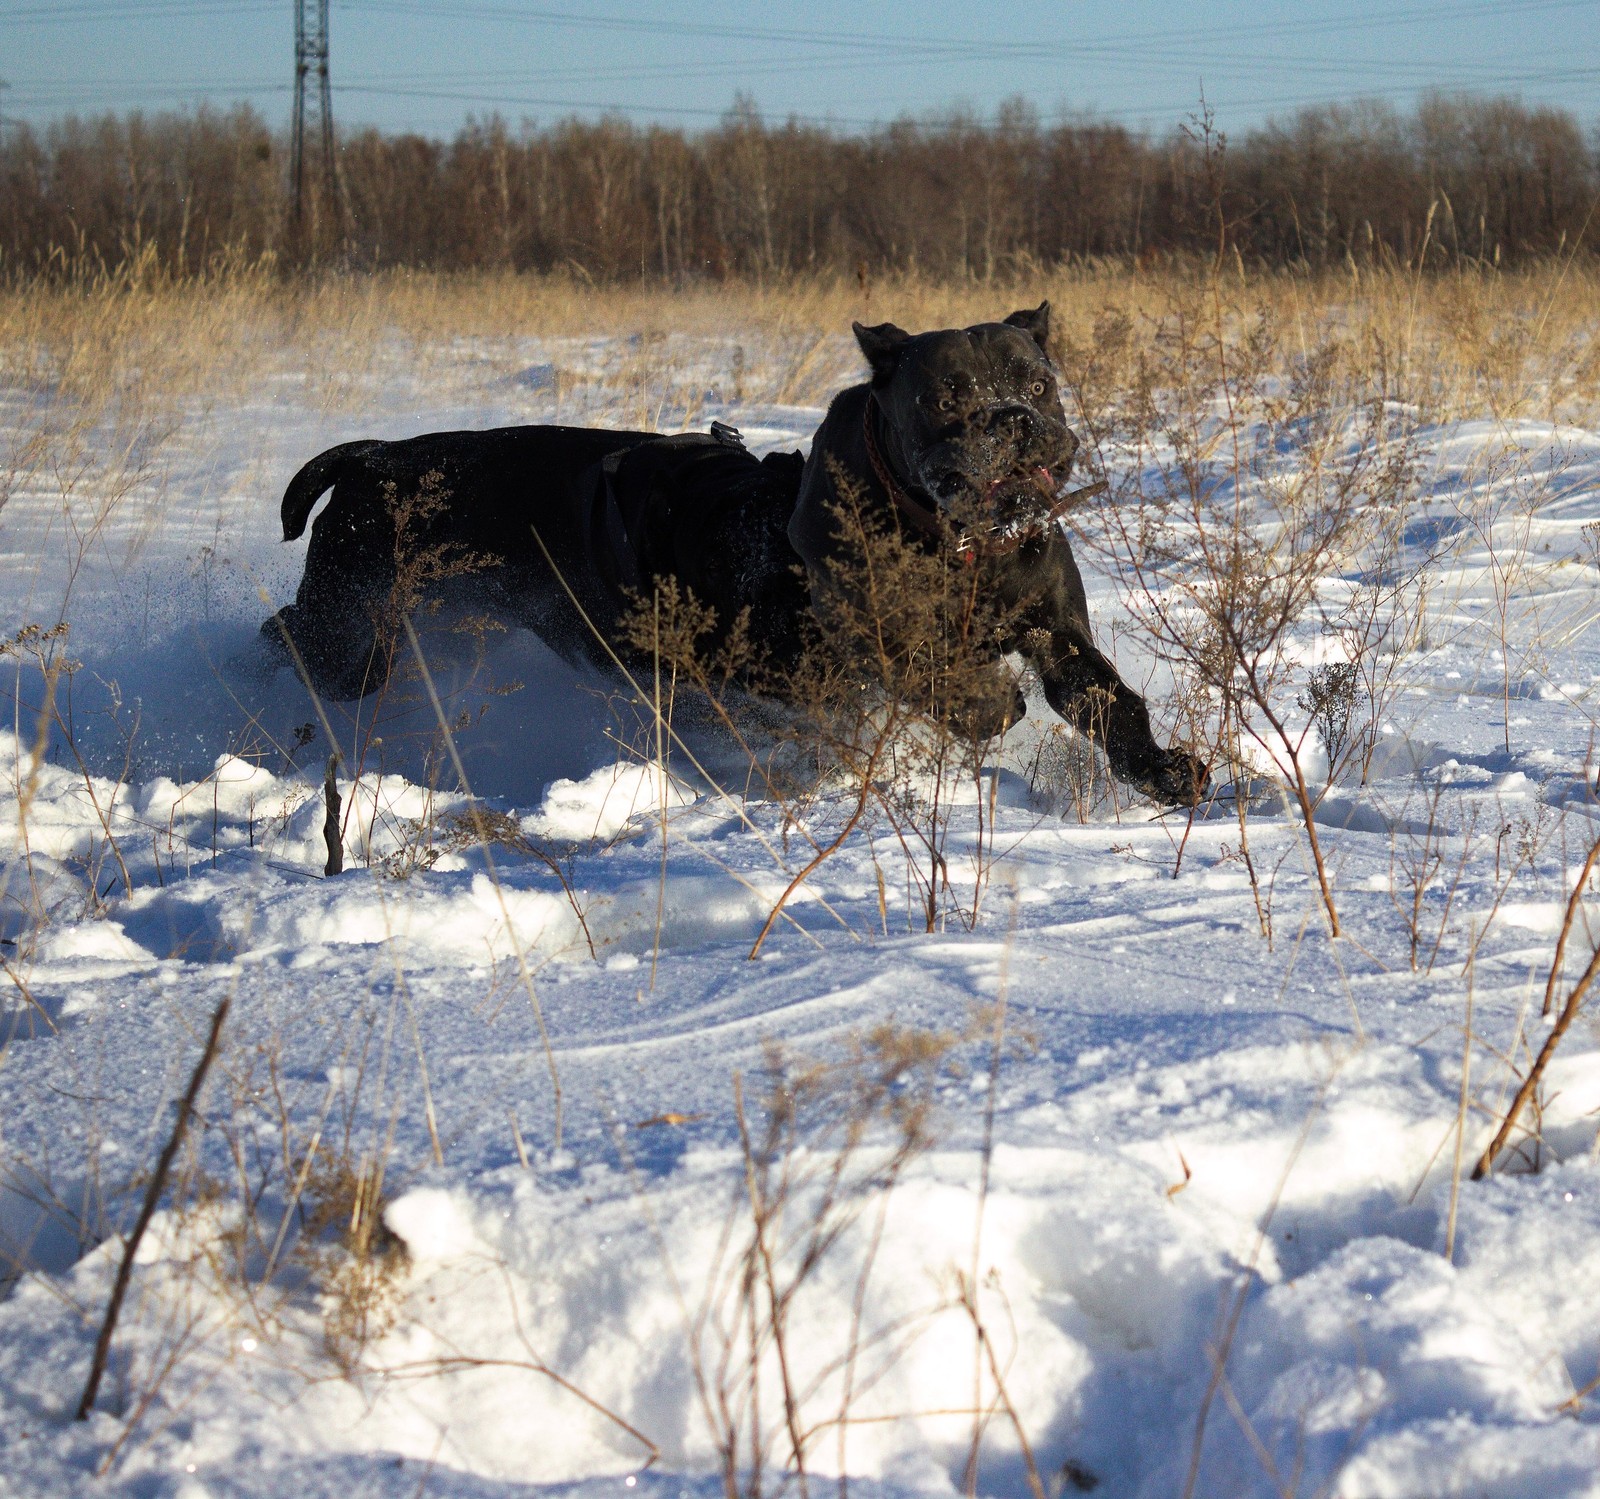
pixel 1031 484
pixel 1019 501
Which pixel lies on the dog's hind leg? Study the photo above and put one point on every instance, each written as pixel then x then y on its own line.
pixel 331 629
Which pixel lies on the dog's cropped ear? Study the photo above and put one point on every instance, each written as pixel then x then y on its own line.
pixel 1036 323
pixel 882 346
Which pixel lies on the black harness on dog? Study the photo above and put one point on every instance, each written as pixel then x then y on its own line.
pixel 651 509
pixel 998 541
pixel 637 494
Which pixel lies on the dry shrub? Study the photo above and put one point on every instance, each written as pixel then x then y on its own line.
pixel 1252 468
pixel 823 1144
pixel 1065 774
pixel 906 696
pixel 420 570
pixel 897 698
pixel 300 1214
pixel 1333 701
pixel 428 838
pixel 352 1257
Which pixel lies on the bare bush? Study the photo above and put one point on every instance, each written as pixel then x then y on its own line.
pixel 823 1144
pixel 899 696
pixel 1332 698
pixel 1252 480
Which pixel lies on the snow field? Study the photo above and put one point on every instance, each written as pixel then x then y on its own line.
pixel 1207 1152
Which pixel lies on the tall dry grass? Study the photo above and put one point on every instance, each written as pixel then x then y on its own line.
pixel 128 341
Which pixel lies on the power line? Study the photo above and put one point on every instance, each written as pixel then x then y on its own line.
pixel 113 88
pixel 1291 101
pixel 824 51
pixel 897 113
pixel 1462 75
pixel 158 10
pixel 480 87
pixel 1077 46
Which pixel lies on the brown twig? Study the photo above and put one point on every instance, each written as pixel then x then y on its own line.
pixel 429 1368
pixel 968 1297
pixel 821 856
pixel 1566 927
pixel 330 823
pixel 15 975
pixel 761 1256
pixel 1578 1396
pixel 152 1196
pixel 1569 1013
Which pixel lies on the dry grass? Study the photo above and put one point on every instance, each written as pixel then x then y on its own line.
pixel 100 371
pixel 1515 343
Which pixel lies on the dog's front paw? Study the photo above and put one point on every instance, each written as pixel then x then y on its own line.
pixel 1177 778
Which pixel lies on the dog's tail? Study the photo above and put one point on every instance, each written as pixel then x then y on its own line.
pixel 308 486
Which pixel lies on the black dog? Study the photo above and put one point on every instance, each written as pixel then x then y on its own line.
pixel 961 440
pixel 555 529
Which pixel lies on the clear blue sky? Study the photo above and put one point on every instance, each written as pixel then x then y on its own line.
pixel 427 65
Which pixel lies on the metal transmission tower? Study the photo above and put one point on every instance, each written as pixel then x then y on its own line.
pixel 311 55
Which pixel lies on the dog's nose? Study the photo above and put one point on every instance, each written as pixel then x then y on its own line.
pixel 1012 419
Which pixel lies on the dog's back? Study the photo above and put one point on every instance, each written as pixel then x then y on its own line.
pixel 539 518
pixel 468 501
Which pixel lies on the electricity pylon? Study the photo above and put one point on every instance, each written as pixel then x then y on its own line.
pixel 311 55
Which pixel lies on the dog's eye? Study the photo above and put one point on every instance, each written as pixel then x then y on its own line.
pixel 1039 387
pixel 947 402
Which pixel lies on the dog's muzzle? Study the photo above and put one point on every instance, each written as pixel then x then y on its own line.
pixel 1001 485
pixel 1006 456
pixel 985 513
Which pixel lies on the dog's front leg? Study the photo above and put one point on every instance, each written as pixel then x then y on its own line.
pixel 1083 687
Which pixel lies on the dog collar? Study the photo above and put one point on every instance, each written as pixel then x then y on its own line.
pixel 921 516
pixel 967 545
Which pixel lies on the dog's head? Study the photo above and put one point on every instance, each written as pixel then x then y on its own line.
pixel 972 417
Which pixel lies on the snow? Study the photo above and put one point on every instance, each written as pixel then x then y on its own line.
pixel 1196 1190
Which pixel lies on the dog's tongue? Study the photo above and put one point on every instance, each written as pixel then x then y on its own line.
pixel 1038 478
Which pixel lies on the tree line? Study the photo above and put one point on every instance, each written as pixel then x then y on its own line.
pixel 956 196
